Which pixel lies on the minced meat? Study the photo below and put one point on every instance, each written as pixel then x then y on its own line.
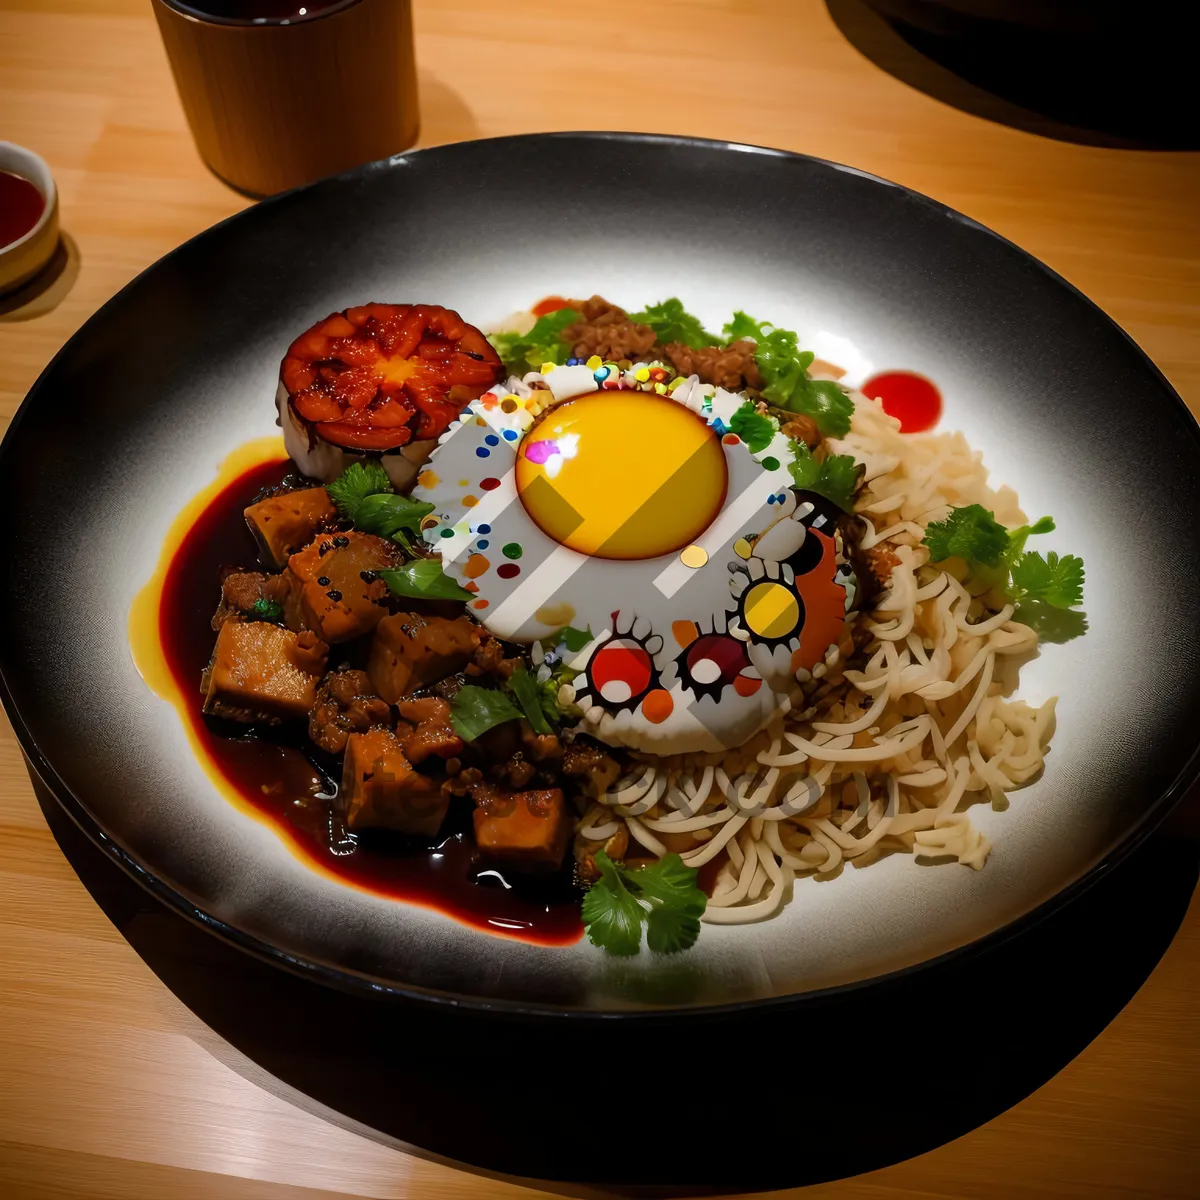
pixel 731 367
pixel 346 704
pixel 606 330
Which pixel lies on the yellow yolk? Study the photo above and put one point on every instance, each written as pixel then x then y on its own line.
pixel 622 475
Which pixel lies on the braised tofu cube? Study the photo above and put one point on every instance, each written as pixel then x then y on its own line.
pixel 261 672
pixel 526 828
pixel 412 651
pixel 333 581
pixel 381 790
pixel 286 523
pixel 426 729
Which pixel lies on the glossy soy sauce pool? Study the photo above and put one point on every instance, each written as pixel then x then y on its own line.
pixel 283 777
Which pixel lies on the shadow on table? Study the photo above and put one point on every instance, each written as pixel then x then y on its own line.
pixel 1118 75
pixel 46 290
pixel 689 1106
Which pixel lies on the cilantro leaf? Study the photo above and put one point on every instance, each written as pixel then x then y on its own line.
pixel 668 881
pixel 611 914
pixel 573 639
pixel 971 532
pixel 474 710
pixel 423 577
pixel 744 328
pixel 355 484
pixel 672 904
pixel 1019 536
pixel 391 516
pixel 670 930
pixel 525 688
pixel 524 352
pixel 1052 580
pixel 835 477
pixel 671 322
pixel 784 368
pixel 266 610
pixel 755 429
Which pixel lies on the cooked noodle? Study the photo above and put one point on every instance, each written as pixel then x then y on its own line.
pixel 908 721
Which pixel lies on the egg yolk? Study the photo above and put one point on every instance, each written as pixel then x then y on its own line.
pixel 622 475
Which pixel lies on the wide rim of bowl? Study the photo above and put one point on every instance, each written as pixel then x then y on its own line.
pixel 363 984
pixel 49 190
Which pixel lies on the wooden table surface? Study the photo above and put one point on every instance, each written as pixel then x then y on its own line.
pixel 108 1087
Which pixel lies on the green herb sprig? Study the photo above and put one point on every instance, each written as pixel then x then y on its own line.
pixel 671 322
pixel 524 352
pixel 787 384
pixel 354 485
pixel 423 579
pixel 663 896
pixel 754 428
pixel 998 556
pixel 835 477
pixel 474 710
pixel 391 516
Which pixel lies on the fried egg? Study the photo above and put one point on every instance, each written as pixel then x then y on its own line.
pixel 624 505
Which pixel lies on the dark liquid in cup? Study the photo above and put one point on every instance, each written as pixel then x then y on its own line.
pixel 259 12
pixel 21 207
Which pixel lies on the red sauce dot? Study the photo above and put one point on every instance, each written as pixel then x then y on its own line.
pixel 508 570
pixel 549 305
pixel 488 484
pixel 911 398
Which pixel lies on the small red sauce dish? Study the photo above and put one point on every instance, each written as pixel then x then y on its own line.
pixel 28 216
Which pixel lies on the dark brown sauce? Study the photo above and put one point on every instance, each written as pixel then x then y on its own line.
pixel 21 207
pixel 282 776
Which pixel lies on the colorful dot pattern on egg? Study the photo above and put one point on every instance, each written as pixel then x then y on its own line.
pixel 658 706
pixel 770 463
pixel 771 610
pixel 508 570
pixel 512 550
pixel 490 484
pixel 693 556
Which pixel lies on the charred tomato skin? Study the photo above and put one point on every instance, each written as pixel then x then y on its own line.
pixel 377 376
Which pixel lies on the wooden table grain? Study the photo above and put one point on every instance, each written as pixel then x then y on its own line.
pixel 108 1086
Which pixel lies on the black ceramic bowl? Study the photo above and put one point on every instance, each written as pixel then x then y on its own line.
pixel 133 416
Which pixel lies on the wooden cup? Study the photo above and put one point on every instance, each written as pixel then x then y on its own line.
pixel 275 105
